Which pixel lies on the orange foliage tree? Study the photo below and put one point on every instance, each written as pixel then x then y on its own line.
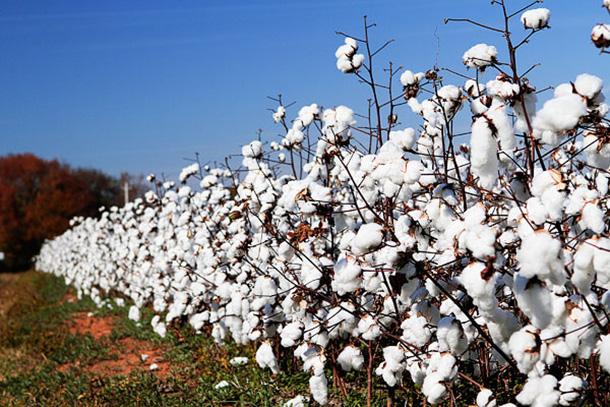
pixel 39 197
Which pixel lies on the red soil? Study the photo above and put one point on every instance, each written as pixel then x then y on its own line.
pixel 126 353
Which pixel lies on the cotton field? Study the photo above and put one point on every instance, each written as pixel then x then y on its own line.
pixel 407 251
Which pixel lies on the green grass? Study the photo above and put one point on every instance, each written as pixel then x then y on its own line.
pixel 36 341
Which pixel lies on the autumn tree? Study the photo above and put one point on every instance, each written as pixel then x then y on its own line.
pixel 38 198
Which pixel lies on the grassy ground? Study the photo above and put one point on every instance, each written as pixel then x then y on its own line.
pixel 56 350
pixel 50 357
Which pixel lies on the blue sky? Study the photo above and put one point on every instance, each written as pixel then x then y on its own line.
pixel 138 85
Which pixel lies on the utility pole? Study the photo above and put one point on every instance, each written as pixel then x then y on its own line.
pixel 126 191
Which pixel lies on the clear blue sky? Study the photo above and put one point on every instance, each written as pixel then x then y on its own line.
pixel 138 85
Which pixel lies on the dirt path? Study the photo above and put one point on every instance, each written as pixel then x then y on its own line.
pixel 128 354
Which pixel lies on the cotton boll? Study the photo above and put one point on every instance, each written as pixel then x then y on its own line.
pixel 536 19
pixel 433 388
pixel 600 35
pixel 318 385
pixel 479 281
pixel 450 335
pixel 298 401
pixel 604 352
pixel 480 240
pixel 307 115
pixel 347 276
pixel 480 56
pixel 405 139
pixel 219 385
pixel 368 327
pixel 415 330
pixel 313 359
pixel 369 237
pixel 158 326
pixel 555 342
pixel 480 105
pixel 357 61
pixel 134 313
pixel 352 43
pixel 337 124
pixel 279 114
pixel 539 392
pixel 588 86
pixel 450 99
pixel 188 172
pixel 483 149
pixel 343 320
pixel 583 272
pixel 503 88
pixel 350 358
pixel 558 115
pixel 291 333
pixel 440 214
pixel 537 301
pixel 198 320
pixel 570 387
pixel 310 275
pixel 344 64
pixel 526 111
pixel 601 184
pixel 252 150
pixel 563 89
pixel 601 262
pixel 219 333
pixel 536 211
pixel 525 345
pixel 266 358
pixel 505 133
pixel 508 237
pixel 485 399
pixel 239 361
pixel 593 218
pixel 314 332
pixel 547 186
pixel 347 59
pixel 414 171
pixel 502 325
pixel 474 88
pixel 475 215
pixel 265 289
pixel 580 341
pixel 409 78
pixel 293 138
pixel 539 256
pixel 443 364
pixel 348 49
pixel 392 367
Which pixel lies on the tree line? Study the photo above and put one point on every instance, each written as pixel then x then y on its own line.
pixel 38 198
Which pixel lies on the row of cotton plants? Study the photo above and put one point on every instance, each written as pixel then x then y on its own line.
pixel 418 256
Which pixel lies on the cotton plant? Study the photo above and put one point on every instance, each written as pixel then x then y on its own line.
pixel 536 19
pixel 348 61
pixel 394 249
pixel 600 34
